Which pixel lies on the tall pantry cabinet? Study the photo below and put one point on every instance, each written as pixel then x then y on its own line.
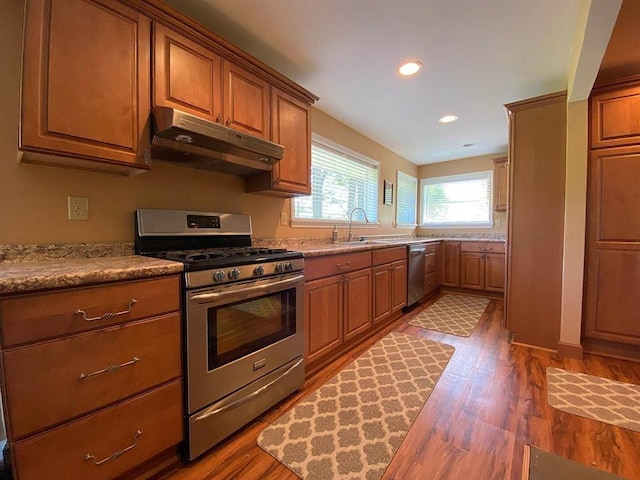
pixel 612 302
pixel 537 158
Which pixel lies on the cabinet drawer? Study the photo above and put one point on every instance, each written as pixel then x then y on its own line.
pixel 45 383
pixel 482 247
pixel 62 452
pixel 431 247
pixel 430 260
pixel 430 283
pixel 319 267
pixel 35 317
pixel 388 255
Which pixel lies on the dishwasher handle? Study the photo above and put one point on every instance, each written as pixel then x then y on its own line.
pixel 420 247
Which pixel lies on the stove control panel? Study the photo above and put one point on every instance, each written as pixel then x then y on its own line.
pixel 219 276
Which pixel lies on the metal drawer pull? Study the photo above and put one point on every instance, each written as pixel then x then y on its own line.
pixel 343 267
pixel 109 369
pixel 108 315
pixel 115 454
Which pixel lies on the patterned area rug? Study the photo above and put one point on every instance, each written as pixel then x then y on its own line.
pixel 597 398
pixel 454 314
pixel 352 426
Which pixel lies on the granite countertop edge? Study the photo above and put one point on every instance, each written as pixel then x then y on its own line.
pixel 323 249
pixel 32 276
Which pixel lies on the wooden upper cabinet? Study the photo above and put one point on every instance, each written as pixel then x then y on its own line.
pixel 615 117
pixel 186 75
pixel 500 187
pixel 291 123
pixel 246 101
pixel 85 90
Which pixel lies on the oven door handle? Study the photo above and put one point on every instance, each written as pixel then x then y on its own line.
pixel 216 409
pixel 244 291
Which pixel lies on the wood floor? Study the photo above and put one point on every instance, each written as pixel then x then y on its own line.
pixel 490 402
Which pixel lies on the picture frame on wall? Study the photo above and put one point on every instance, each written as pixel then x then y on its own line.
pixel 388 193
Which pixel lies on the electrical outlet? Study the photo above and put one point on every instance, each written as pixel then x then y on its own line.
pixel 284 218
pixel 498 222
pixel 78 208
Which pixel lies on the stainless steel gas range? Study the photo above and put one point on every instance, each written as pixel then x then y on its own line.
pixel 243 317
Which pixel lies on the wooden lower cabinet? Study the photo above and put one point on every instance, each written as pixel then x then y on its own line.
pixel 139 428
pixel 451 264
pixel 337 309
pixel 482 271
pixel 494 276
pixel 389 289
pixel 323 314
pixel 357 303
pixel 472 270
pixel 75 397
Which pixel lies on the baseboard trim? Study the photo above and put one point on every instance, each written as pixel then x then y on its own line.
pixel 570 350
pixel 536 347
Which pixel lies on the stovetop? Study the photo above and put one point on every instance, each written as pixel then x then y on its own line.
pixel 211 258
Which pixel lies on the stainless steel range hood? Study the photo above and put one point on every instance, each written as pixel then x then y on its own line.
pixel 187 140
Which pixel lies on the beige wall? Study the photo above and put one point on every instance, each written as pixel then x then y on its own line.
pixel 456 167
pixel 33 199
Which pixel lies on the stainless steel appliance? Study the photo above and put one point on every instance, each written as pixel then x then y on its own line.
pixel 182 138
pixel 243 317
pixel 415 273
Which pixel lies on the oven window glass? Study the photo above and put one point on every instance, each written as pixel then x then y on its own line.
pixel 244 327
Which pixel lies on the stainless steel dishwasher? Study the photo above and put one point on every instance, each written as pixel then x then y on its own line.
pixel 416 273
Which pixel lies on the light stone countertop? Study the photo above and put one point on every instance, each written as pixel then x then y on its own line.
pixel 322 249
pixel 30 276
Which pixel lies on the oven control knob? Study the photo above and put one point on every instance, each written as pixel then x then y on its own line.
pixel 259 270
pixel 234 274
pixel 288 266
pixel 219 276
pixel 279 268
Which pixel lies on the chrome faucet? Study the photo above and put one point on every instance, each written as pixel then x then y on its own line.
pixel 350 235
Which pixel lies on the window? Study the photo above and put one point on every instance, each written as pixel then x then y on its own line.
pixel 341 180
pixel 407 202
pixel 457 200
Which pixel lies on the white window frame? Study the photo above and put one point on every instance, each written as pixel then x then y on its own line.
pixel 323 223
pixel 488 174
pixel 414 180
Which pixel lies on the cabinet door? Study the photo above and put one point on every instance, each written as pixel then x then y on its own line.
pixel 323 316
pixel 494 272
pixel 291 123
pixel 399 285
pixel 357 302
pixel 615 118
pixel 85 90
pixel 451 264
pixel 186 75
pixel 246 101
pixel 500 177
pixel 381 292
pixel 472 270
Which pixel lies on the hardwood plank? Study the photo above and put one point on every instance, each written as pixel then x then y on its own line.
pixel 490 402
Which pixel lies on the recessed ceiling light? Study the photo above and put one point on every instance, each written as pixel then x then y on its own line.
pixel 410 68
pixel 448 119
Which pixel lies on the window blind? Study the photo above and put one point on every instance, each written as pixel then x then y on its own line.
pixel 406 200
pixel 458 200
pixel 340 182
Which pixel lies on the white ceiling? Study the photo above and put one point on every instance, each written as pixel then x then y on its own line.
pixel 477 56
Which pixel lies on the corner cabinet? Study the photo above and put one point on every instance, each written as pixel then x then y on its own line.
pixel 85 86
pixel 482 266
pixel 291 128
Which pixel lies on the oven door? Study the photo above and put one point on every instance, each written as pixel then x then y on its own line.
pixel 238 333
